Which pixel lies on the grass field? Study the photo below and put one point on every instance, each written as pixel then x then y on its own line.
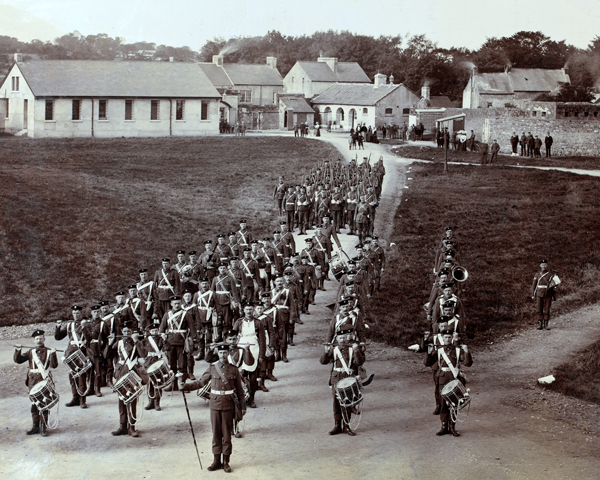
pixel 437 155
pixel 505 220
pixel 79 217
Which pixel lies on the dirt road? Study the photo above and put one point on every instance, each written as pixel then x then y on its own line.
pixel 286 436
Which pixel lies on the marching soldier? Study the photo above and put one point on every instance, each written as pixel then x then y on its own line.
pixel 279 194
pixel 207 260
pixel 377 257
pixel 192 312
pixel 191 273
pixel 279 251
pixel 40 360
pixel 93 335
pixel 154 346
pixel 543 291
pixel 282 299
pixel 207 317
pixel 271 315
pixel 144 291
pixel 222 249
pixel 77 341
pixel 302 208
pixel 134 304
pixel 178 267
pixel 351 201
pixel 233 245
pixel 251 274
pixel 337 205
pixel 166 283
pixel 243 235
pixel 362 218
pixel 436 308
pixel 226 300
pixel 287 237
pixel 111 324
pixel 346 316
pixel 323 244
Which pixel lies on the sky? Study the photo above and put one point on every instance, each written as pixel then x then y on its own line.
pixel 458 23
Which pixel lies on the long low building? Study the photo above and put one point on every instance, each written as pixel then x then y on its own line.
pixel 75 98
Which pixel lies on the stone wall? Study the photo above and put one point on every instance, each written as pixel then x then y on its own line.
pixel 259 117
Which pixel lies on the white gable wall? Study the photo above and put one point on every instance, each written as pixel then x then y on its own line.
pixel 16 102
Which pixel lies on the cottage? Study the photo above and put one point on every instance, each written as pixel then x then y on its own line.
pixel 75 98
pixel 294 110
pixel 497 90
pixel 345 105
pixel 313 78
pixel 256 87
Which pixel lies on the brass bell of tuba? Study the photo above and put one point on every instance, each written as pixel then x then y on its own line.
pixel 460 274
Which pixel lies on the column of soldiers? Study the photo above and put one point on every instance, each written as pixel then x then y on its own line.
pixel 445 334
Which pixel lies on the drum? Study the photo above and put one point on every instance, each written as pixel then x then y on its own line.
pixel 78 363
pixel 160 374
pixel 347 390
pixel 43 395
pixel 204 392
pixel 336 265
pixel 129 387
pixel 456 395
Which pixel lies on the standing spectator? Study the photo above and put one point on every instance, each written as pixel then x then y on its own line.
pixel 530 144
pixel 495 150
pixel 523 143
pixel 484 153
pixel 514 141
pixel 295 130
pixel 472 141
pixel 383 131
pixel 537 145
pixel 548 141
pixel 454 146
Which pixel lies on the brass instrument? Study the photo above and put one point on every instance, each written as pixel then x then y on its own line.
pixel 460 274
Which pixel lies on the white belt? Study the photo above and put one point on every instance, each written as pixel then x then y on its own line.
pixel 542 286
pixel 177 331
pixel 155 354
pixel 223 292
pixel 204 308
pixel 339 369
pixel 163 287
pixel 221 392
pixel 95 340
pixel 282 306
pixel 446 369
pixel 79 343
pixel 280 254
pixel 34 370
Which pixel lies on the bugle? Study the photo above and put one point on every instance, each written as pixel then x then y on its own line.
pixel 460 274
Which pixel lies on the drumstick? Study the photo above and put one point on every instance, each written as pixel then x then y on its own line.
pixel 47 348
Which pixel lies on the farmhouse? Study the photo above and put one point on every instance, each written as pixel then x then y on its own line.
pixel 255 86
pixel 497 90
pixel 313 78
pixel 345 105
pixel 76 98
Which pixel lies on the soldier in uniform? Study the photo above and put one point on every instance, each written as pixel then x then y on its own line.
pixel 166 284
pixel 77 341
pixel 243 235
pixel 448 296
pixel 290 207
pixel 548 141
pixel 337 207
pixel 287 237
pixel 302 208
pixel 279 250
pixel 543 291
pixel 271 315
pixel 222 249
pixel 362 218
pixel 134 304
pixel 144 291
pixel 128 350
pixel 154 346
pixel 351 201
pixel 204 299
pixel 279 194
pixel 377 257
pixel 283 300
pixel 40 360
pixel 225 382
pixel 227 297
pixel 251 275
pixel 93 335
pixel 346 356
pixel 191 273
pixel 234 247
pixel 111 324
pixel 207 260
pixel 449 358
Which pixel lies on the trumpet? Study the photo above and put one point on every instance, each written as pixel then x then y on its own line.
pixel 460 274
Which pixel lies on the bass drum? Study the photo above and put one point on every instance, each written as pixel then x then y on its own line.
pixel 337 266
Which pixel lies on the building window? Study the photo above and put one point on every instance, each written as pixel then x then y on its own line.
pixel 406 111
pixel 154 109
pixel 15 84
pixel 49 110
pixel 576 114
pixel 245 96
pixel 566 114
pixel 76 110
pixel 274 97
pixel 102 107
pixel 489 104
pixel 389 111
pixel 179 109
pixel 204 111
pixel 534 113
pixel 543 114
pixel 128 109
pixel 595 113
pixel 586 113
pixel 365 111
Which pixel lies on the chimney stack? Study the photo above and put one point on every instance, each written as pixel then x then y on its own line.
pixel 272 62
pixel 332 62
pixel 218 60
pixel 18 57
pixel 425 91
pixel 507 68
pixel 392 79
pixel 380 79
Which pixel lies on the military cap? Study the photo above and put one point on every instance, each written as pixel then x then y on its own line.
pixel 367 241
pixel 186 291
pixel 346 328
pixel 220 235
pixel 204 279
pixel 96 307
pixel 133 285
pixel 543 261
pixel 349 282
pixel 104 303
pixel 119 293
pixel 234 258
pixel 282 222
pixel 127 324
pixel 375 237
pixel 247 249
pixel 447 332
pixel 266 239
pixel 243 220
pixel 304 256
pixel 448 228
pixel 446 285
pixel 444 319
pixel 450 253
pixel 295 254
pixel 308 240
pixel 320 225
pixel 193 252
pixel 288 272
pixel 143 270
pixel 166 259
pixel 180 252
pixel 448 304
pixel 343 301
pixel 231 333
pixel 231 234
pixel 265 295
pixel 174 297
pixel 222 346
pixel 249 303
pixel 37 333
pixel 155 324
pixel 444 271
pixel 253 242
pixel 351 272
pixel 326 215
pixel 207 242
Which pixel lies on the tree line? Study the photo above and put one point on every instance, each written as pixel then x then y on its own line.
pixel 412 60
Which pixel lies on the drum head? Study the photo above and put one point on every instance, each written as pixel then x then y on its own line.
pixel 155 366
pixel 449 387
pixel 346 382
pixel 38 387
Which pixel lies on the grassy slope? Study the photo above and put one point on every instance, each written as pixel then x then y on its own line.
pixel 505 220
pixel 437 155
pixel 79 217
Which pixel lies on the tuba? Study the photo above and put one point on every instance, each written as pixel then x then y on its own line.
pixel 460 274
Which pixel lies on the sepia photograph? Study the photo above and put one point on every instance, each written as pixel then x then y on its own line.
pixel 299 240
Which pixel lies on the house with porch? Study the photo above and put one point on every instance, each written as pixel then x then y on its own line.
pixel 344 106
pixel 80 98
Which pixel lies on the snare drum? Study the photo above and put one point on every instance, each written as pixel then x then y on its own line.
pixel 129 387
pixel 160 374
pixel 347 390
pixel 456 395
pixel 78 363
pixel 43 395
pixel 336 266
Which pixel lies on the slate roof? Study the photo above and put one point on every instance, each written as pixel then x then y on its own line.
pixel 298 104
pixel 441 101
pixel 349 72
pixel 354 94
pixel 520 80
pixel 88 78
pixel 216 75
pixel 246 74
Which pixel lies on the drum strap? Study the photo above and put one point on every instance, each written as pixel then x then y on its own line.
pixel 453 369
pixel 243 237
pixel 223 288
pixel 75 340
pixel 128 358
pixel 337 354
pixel 247 269
pixel 205 299
pixel 275 297
pixel 166 280
pixel 173 320
pixel 41 368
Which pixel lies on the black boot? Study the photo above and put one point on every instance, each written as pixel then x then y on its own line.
pixel 122 430
pixel 43 428
pixel 82 402
pixel 216 465
pixel 35 429
pixel 133 432
pixel 262 385
pixel 226 466
pixel 74 401
pixel 97 386
pixel 284 355
pixel 438 409
pixel 270 376
pixel 337 429
pixel 443 430
pixel 546 327
pixel 349 431
pixel 157 402
pixel 291 340
pixel 452 429
pixel 150 405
